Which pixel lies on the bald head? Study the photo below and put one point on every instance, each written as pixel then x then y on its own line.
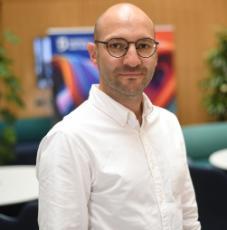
pixel 118 14
pixel 123 71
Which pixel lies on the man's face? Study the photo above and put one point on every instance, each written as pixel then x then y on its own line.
pixel 126 76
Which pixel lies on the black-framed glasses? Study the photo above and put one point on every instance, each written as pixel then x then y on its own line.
pixel 118 47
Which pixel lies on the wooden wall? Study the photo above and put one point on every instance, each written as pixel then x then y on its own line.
pixel 195 24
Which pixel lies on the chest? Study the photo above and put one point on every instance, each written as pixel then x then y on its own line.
pixel 128 160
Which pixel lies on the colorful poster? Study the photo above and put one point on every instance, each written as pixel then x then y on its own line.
pixel 73 73
pixel 162 88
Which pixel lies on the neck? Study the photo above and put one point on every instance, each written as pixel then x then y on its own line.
pixel 133 103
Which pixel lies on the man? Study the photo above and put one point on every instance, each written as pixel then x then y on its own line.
pixel 117 162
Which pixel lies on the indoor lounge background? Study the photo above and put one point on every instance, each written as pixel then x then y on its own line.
pixel 195 25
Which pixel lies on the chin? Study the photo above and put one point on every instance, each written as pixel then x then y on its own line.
pixel 132 92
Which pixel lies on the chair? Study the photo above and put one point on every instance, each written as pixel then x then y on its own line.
pixel 203 139
pixel 26 220
pixel 210 186
pixel 29 132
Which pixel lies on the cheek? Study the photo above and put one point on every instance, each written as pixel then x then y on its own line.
pixel 150 64
pixel 108 64
pixel 152 61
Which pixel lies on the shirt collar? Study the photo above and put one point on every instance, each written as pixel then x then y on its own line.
pixel 117 111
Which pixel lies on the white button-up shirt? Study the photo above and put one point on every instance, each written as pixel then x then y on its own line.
pixel 98 169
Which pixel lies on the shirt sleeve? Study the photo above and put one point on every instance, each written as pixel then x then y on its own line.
pixel 64 176
pixel 189 205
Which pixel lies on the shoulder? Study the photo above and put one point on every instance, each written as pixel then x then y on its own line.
pixel 165 120
pixel 165 114
pixel 63 141
pixel 74 122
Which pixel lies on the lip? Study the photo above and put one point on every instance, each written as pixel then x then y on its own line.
pixel 131 74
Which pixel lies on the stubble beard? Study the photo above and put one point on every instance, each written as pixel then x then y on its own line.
pixel 128 88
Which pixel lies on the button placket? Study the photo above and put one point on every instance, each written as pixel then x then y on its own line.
pixel 155 173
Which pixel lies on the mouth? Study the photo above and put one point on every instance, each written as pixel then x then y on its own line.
pixel 131 74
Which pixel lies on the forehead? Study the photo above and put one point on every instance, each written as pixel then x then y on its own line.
pixel 126 24
pixel 127 31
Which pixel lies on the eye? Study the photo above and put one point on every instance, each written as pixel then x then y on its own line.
pixel 143 45
pixel 117 44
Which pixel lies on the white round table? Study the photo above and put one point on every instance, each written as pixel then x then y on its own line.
pixel 219 159
pixel 17 184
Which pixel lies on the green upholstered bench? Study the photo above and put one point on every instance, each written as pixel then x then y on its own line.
pixel 29 133
pixel 32 129
pixel 203 139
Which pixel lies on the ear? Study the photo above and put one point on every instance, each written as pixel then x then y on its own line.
pixel 155 59
pixel 91 48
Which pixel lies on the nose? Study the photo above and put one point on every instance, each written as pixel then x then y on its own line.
pixel 131 58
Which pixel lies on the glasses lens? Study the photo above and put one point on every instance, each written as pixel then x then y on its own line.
pixel 146 47
pixel 117 47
